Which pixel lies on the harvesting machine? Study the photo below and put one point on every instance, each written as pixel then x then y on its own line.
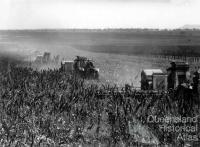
pixel 177 75
pixel 46 59
pixel 82 67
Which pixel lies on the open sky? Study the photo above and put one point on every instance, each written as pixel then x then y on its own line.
pixel 39 14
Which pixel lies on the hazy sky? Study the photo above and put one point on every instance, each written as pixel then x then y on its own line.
pixel 34 14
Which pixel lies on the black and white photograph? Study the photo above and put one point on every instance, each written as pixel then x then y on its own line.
pixel 99 73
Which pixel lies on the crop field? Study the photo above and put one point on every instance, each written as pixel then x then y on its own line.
pixel 51 108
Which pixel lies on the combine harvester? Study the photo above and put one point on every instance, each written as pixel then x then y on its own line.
pixel 177 75
pixel 45 60
pixel 82 67
pixel 177 79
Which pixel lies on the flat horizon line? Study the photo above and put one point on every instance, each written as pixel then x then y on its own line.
pixel 99 29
